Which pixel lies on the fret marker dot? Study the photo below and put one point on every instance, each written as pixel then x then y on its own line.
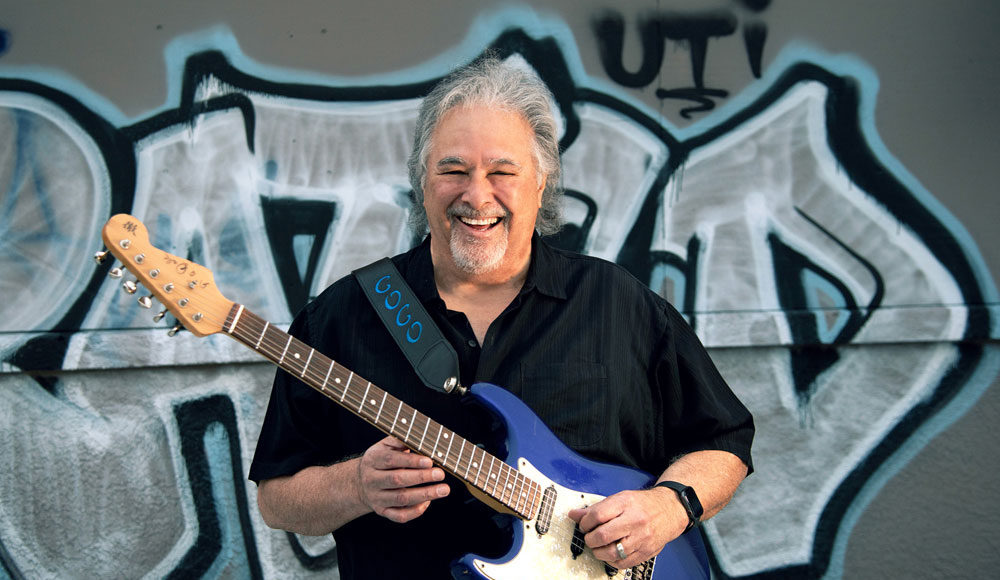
pixel 493 476
pixel 336 381
pixel 440 454
pixel 474 464
pixel 404 421
pixel 445 435
pixel 372 401
pixel 296 355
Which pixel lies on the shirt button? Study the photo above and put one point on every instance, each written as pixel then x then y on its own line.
pixel 473 344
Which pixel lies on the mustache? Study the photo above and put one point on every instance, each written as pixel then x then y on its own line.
pixel 465 211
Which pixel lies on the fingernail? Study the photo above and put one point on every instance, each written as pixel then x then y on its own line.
pixel 442 490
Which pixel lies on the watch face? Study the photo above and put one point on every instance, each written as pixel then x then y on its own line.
pixel 691 498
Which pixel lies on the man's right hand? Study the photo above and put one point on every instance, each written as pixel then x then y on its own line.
pixel 392 481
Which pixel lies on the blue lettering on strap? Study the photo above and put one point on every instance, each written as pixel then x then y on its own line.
pixel 420 330
pixel 399 298
pixel 381 287
pixel 408 317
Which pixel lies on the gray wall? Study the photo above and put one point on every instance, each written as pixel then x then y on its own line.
pixel 818 200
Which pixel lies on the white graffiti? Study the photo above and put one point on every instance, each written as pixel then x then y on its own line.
pixel 98 479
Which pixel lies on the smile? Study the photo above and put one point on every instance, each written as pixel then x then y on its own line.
pixel 480 224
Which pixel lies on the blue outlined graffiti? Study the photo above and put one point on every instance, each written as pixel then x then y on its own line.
pixel 778 224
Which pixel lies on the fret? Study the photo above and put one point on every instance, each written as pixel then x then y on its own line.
pixel 363 397
pixel 236 320
pixel 458 461
pixel 434 450
pixel 479 467
pixel 284 352
pixel 468 466
pixel 261 337
pixel 490 475
pixel 505 472
pixel 306 366
pixel 327 377
pixel 344 394
pixel 447 453
pixel 396 418
pixel 412 421
pixel 420 446
pixel 380 406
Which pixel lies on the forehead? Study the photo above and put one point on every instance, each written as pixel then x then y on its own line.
pixel 474 132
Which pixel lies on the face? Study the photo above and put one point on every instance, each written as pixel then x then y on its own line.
pixel 482 191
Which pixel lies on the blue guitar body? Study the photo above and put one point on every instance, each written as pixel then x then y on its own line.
pixel 534 451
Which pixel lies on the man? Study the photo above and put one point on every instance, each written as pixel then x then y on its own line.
pixel 608 365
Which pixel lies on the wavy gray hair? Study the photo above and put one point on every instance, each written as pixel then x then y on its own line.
pixel 491 82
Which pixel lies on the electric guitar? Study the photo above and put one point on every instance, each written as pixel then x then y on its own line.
pixel 538 482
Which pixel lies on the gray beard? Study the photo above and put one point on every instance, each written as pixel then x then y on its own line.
pixel 475 256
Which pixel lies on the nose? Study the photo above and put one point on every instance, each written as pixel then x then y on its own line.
pixel 479 191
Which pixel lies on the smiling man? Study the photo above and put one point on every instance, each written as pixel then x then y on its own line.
pixel 607 364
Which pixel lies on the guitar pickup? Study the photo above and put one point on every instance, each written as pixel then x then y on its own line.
pixel 544 519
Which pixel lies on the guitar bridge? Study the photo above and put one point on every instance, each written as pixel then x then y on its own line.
pixel 544 519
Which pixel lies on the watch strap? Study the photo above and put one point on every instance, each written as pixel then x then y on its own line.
pixel 689 499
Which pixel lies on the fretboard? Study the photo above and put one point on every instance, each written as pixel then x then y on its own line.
pixel 420 433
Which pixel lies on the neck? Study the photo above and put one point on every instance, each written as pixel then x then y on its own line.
pixel 481 297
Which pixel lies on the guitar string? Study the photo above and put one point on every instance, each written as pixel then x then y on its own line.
pixel 514 494
pixel 269 345
pixel 196 300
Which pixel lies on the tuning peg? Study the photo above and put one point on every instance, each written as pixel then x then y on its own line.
pixel 176 328
pixel 99 257
pixel 146 301
pixel 129 286
pixel 115 273
pixel 159 315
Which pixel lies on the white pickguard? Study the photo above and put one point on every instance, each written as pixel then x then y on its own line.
pixel 548 556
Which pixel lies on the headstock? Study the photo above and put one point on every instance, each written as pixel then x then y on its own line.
pixel 185 288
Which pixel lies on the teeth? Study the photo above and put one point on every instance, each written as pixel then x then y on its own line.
pixel 480 222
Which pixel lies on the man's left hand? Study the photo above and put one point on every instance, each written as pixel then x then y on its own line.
pixel 642 521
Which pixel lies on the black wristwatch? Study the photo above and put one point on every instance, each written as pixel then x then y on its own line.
pixel 689 499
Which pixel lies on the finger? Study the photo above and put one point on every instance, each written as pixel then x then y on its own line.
pixel 599 514
pixel 392 479
pixel 386 455
pixel 396 501
pixel 402 515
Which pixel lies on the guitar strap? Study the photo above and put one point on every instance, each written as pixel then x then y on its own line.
pixel 410 325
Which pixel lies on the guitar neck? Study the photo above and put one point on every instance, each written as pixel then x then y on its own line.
pixel 473 465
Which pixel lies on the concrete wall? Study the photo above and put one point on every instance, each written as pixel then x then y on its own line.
pixel 811 183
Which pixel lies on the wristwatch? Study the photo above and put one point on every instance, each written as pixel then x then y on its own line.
pixel 689 499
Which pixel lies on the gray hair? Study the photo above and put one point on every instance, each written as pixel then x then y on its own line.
pixel 491 82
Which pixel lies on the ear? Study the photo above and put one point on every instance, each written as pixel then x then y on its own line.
pixel 541 190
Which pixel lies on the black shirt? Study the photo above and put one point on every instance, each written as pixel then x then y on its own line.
pixel 610 367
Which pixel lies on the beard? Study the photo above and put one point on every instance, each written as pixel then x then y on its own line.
pixel 478 256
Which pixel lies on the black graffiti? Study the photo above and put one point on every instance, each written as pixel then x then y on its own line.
pixel 194 418
pixel 845 137
pixel 692 30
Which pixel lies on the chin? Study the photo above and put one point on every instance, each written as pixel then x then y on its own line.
pixel 477 258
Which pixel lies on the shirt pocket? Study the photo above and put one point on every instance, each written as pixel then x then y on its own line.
pixel 571 399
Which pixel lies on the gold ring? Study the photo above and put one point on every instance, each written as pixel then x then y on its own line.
pixel 621 551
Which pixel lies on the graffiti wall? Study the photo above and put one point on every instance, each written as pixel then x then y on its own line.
pixel 734 166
